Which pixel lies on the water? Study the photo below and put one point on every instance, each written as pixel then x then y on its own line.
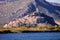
pixel 30 36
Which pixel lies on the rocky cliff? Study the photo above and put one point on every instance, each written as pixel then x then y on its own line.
pixel 29 11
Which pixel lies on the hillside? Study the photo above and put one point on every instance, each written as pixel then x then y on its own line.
pixel 29 12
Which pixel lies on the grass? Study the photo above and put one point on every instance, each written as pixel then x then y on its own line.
pixel 38 28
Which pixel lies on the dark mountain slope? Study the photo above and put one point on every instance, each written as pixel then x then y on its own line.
pixel 50 8
pixel 46 19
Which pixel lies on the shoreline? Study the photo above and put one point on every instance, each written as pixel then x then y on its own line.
pixel 7 31
pixel 25 29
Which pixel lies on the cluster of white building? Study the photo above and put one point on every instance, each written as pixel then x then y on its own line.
pixel 29 19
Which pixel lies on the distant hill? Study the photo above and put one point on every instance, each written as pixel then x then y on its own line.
pixel 46 12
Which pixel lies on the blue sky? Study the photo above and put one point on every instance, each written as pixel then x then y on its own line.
pixel 56 1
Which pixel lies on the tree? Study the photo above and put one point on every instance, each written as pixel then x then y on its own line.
pixel 31 25
pixel 21 24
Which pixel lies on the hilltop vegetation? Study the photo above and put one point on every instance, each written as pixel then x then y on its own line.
pixel 30 28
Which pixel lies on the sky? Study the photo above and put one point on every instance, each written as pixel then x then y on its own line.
pixel 56 1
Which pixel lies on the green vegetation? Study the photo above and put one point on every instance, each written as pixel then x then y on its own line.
pixel 25 28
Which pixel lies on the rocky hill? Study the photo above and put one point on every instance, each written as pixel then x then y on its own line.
pixel 13 12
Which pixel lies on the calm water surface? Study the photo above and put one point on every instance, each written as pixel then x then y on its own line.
pixel 30 36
